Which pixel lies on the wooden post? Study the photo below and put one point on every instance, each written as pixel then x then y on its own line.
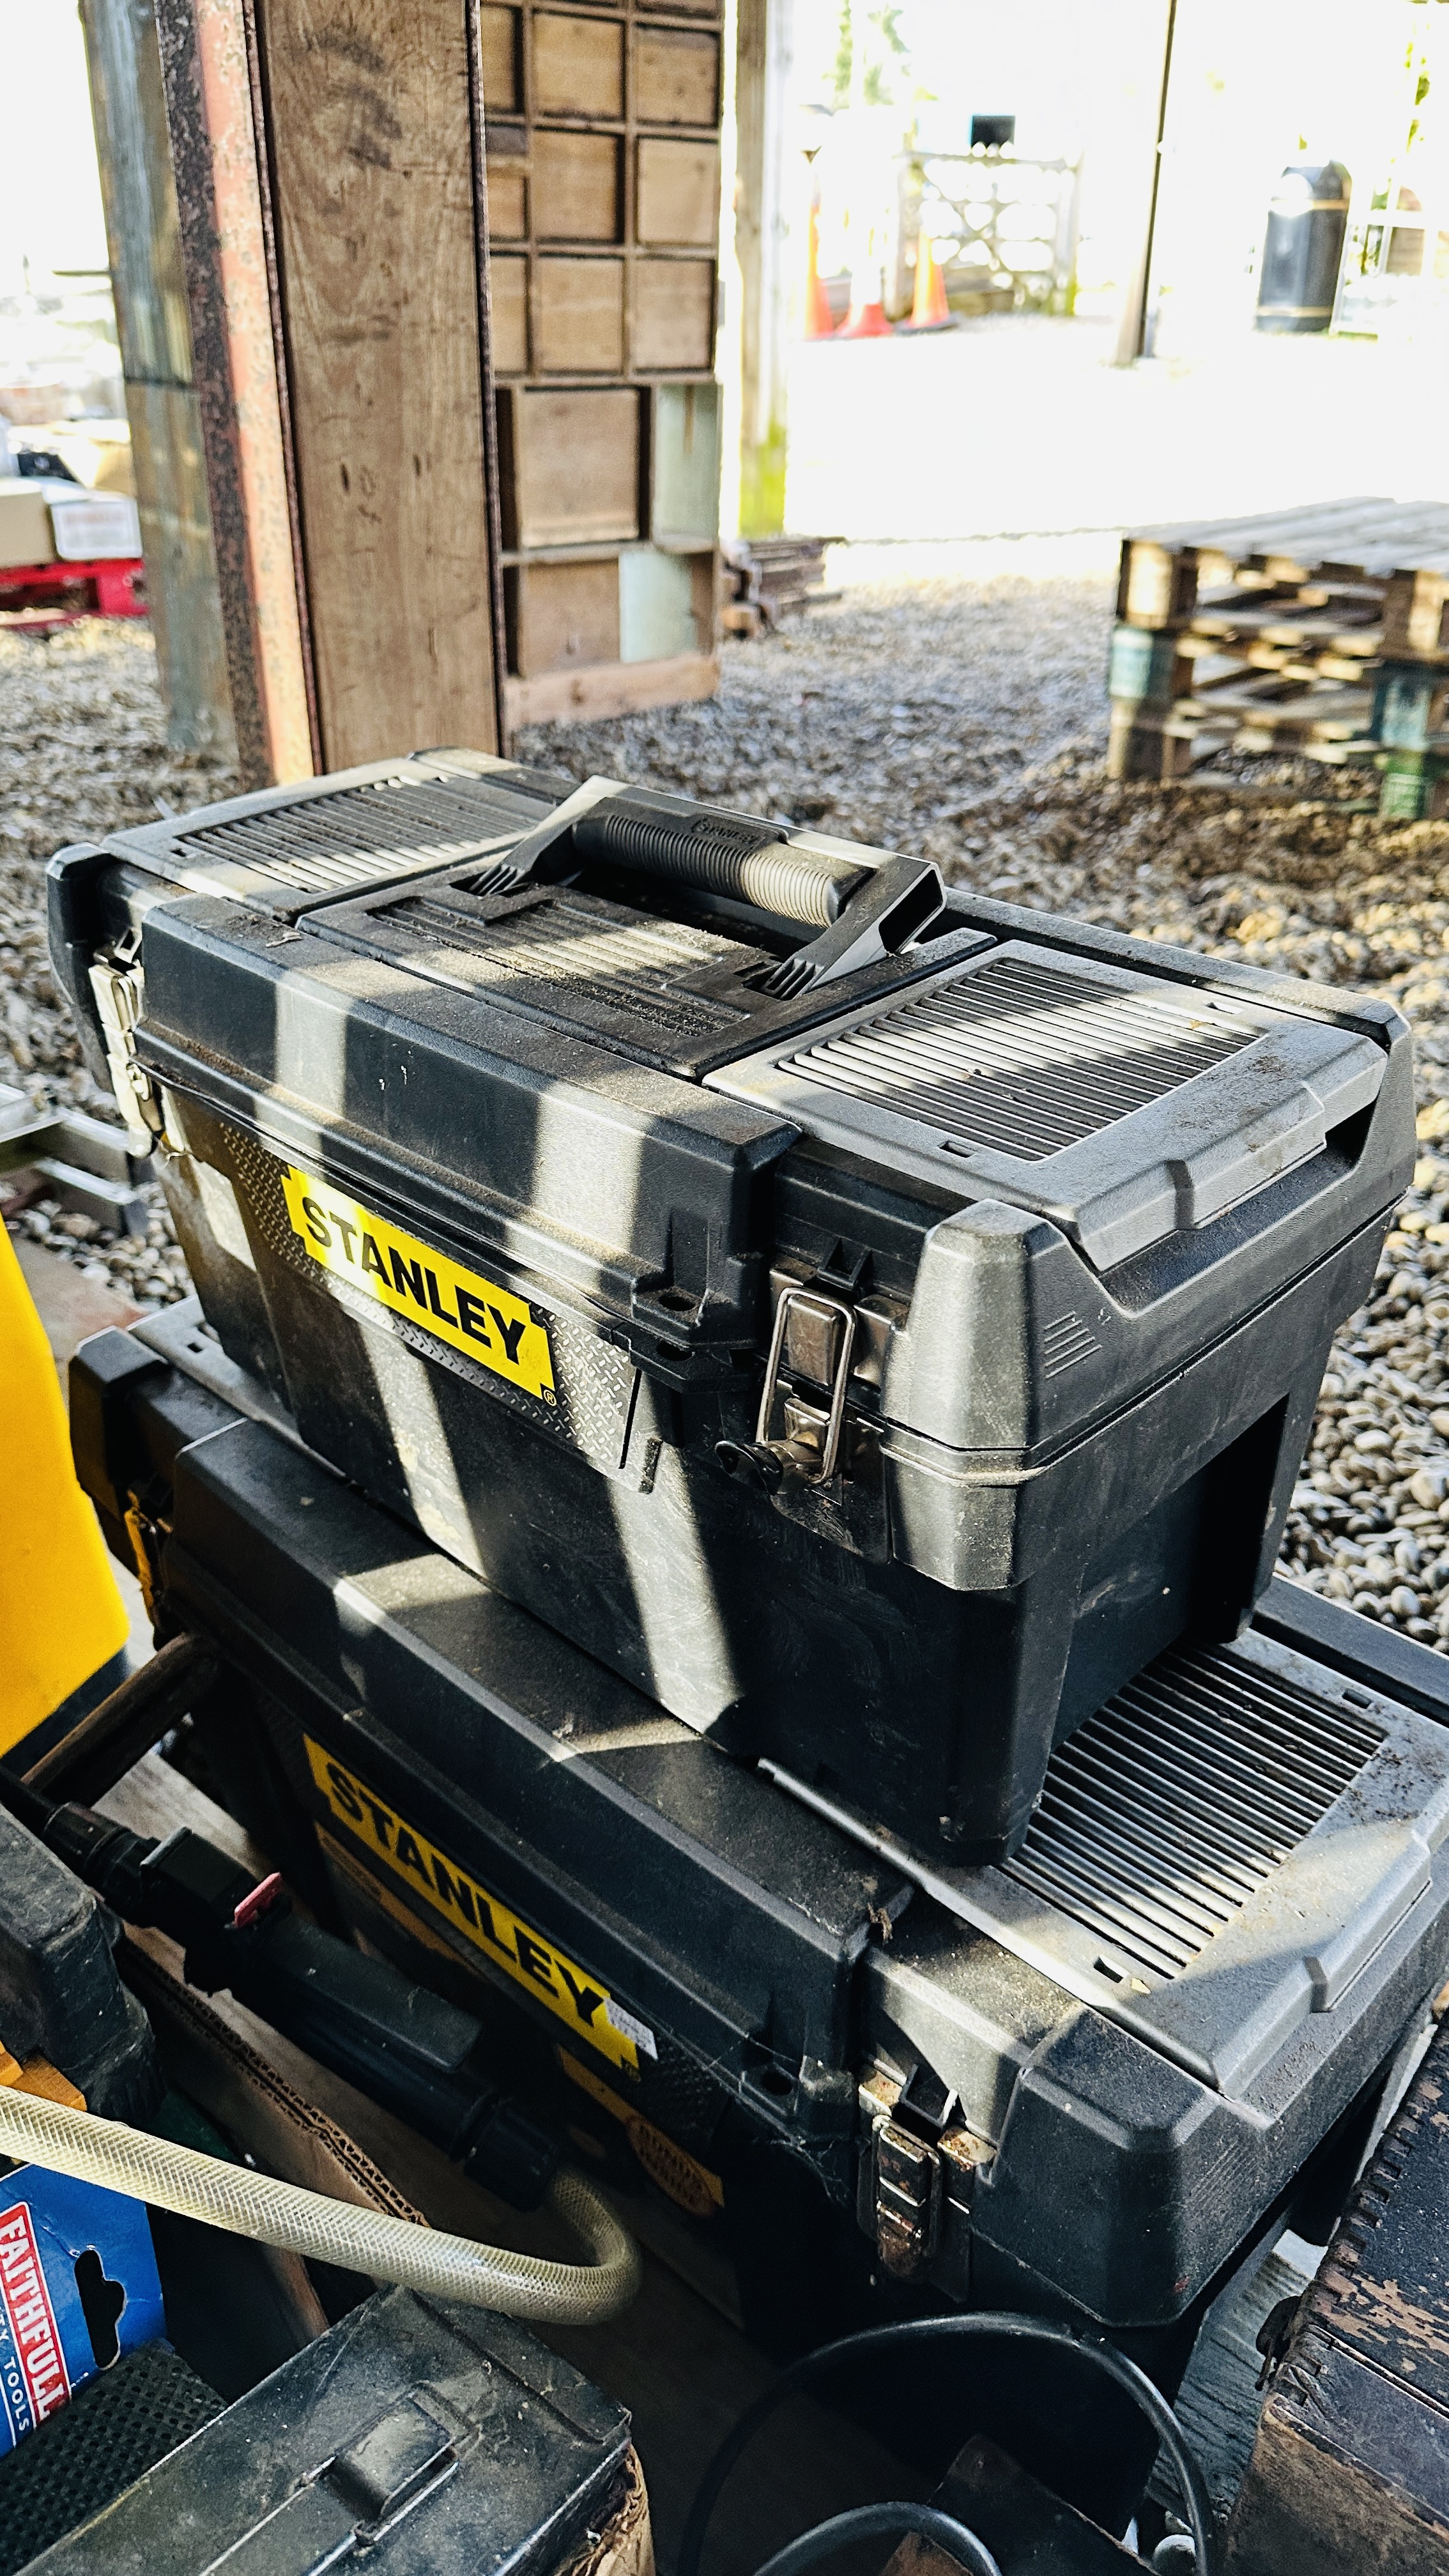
pixel 152 324
pixel 329 184
pixel 371 167
pixel 406 556
pixel 1132 333
pixel 206 67
pixel 762 72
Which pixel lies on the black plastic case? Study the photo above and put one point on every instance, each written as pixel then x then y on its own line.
pixel 418 2438
pixel 751 2021
pixel 874 1322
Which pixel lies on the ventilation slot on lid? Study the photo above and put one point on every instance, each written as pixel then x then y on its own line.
pixel 1171 1807
pixel 359 836
pixel 1026 1057
pixel 569 943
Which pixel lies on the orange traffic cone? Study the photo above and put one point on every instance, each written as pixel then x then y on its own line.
pixel 818 322
pixel 930 311
pixel 866 319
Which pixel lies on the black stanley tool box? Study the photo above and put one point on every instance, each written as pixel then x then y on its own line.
pixel 1082 2081
pixel 874 1321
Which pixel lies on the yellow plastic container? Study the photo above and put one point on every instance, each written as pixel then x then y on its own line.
pixel 61 1615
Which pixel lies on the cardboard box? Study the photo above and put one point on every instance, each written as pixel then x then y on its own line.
pixel 25 535
pixel 98 452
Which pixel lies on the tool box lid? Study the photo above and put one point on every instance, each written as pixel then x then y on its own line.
pixel 1122 1101
pixel 282 849
pixel 1127 1097
pixel 419 2436
pixel 598 1036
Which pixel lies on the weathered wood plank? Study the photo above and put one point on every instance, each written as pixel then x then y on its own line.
pixel 673 314
pixel 678 192
pixel 570 469
pixel 567 614
pixel 676 76
pixel 509 283
pixel 576 192
pixel 578 66
pixel 580 317
pixel 611 689
pixel 372 169
pixel 149 282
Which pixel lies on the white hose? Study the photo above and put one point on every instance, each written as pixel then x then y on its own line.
pixel 334 2231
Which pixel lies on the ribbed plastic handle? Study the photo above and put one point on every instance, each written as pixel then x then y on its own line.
pixel 755 867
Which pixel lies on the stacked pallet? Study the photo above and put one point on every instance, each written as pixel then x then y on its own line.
pixel 1321 631
pixel 603 164
pixel 763 579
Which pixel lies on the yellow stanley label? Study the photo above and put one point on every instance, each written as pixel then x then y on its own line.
pixel 485 1920
pixel 489 1324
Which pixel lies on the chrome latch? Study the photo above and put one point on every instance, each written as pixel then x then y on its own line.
pixel 909 2188
pixel 807 1320
pixel 119 989
pixel 814 1333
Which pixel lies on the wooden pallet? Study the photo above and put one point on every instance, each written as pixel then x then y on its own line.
pixel 1297 632
pixel 763 579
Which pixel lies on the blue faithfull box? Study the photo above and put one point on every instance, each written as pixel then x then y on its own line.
pixel 78 2287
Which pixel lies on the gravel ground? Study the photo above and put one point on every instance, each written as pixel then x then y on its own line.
pixel 964 719
pixel 82 751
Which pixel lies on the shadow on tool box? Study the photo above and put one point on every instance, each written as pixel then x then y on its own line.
pixel 872 1319
pixel 416 2431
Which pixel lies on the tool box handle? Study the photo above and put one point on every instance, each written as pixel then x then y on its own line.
pixel 859 908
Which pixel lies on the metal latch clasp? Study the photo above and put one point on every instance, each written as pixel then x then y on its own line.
pixel 119 987
pixel 811 1308
pixel 808 1323
pixel 909 2188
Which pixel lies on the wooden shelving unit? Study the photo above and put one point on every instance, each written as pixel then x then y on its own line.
pixel 603 171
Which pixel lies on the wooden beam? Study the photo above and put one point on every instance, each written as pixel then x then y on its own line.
pixel 207 69
pixel 586 695
pixel 371 163
pixel 148 280
pixel 762 68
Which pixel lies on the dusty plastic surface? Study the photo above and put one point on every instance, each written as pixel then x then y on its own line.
pixel 424 2439
pixel 60 1995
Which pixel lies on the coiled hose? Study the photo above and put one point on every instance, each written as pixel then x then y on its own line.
pixel 334 2231
pixel 995 2323
pixel 883 2522
pixel 799 885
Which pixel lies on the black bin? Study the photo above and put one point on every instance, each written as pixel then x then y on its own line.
pixel 1303 248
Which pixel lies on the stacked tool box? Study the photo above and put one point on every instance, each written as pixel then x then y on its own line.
pixel 741 1408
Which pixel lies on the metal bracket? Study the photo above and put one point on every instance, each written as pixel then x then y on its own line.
pixel 147 1537
pixel 86 1164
